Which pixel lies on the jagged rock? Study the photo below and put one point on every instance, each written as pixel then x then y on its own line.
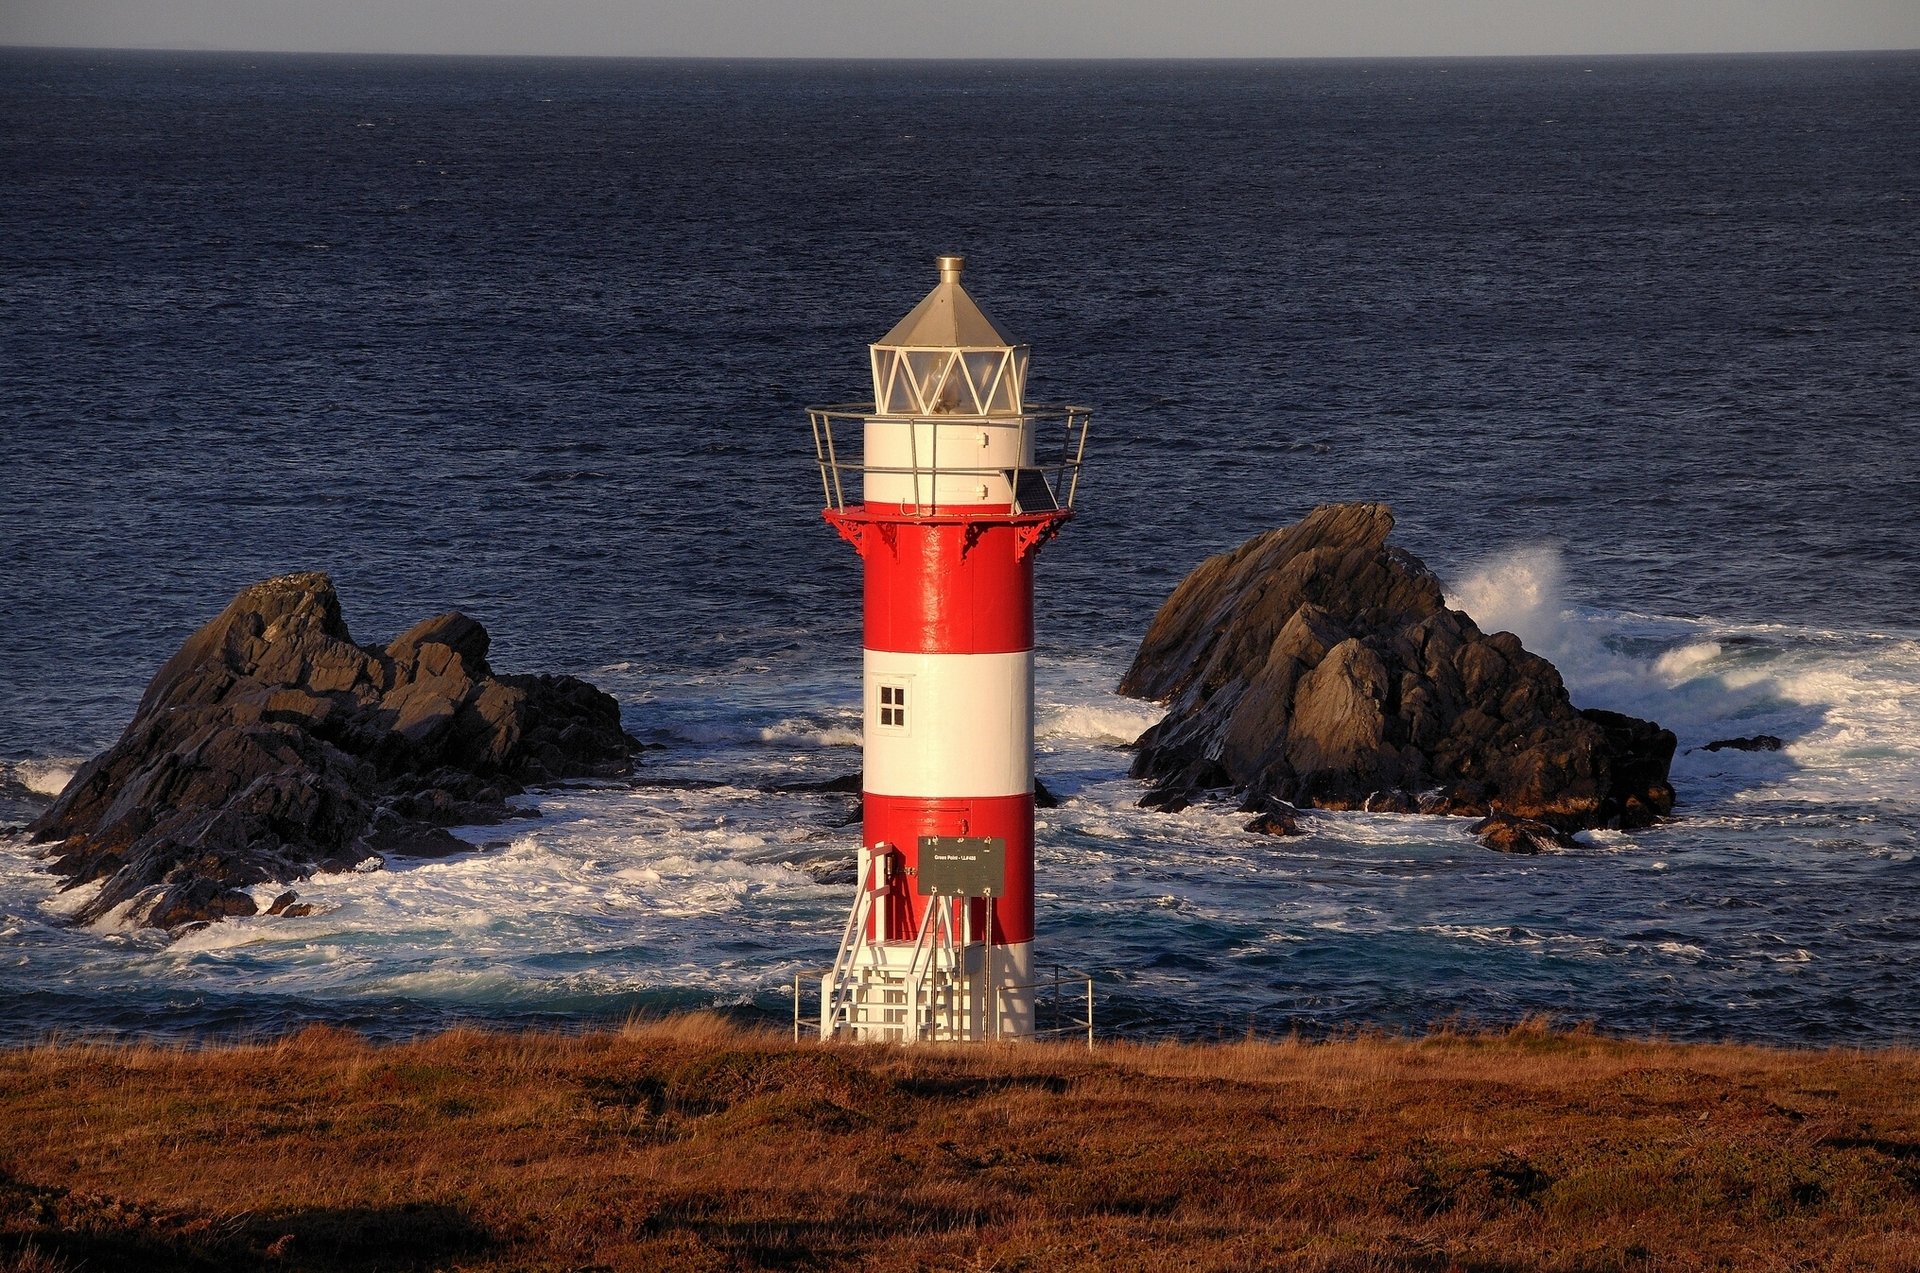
pixel 1167 798
pixel 834 871
pixel 843 784
pixel 271 747
pixel 1319 665
pixel 1504 833
pixel 286 905
pixel 1759 742
pixel 1278 818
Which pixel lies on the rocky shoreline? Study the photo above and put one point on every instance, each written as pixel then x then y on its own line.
pixel 1315 666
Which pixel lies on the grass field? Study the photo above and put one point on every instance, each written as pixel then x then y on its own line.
pixel 695 1144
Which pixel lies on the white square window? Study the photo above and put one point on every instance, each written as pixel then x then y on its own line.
pixel 893 707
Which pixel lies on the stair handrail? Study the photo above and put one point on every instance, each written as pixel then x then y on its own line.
pixel 839 996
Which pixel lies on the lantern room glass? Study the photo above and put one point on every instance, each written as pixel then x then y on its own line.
pixel 923 382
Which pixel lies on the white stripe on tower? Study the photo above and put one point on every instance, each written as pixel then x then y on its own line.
pixel 949 725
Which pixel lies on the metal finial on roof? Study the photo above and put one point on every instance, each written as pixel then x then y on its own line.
pixel 947 318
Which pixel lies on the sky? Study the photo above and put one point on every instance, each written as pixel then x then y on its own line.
pixel 971 28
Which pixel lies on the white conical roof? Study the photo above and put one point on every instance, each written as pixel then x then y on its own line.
pixel 947 319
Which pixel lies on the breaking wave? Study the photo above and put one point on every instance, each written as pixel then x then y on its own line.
pixel 1845 706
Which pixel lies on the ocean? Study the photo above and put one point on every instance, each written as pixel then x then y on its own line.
pixel 1629 345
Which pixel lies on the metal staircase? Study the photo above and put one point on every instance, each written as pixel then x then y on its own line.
pixel 931 989
pixel 939 988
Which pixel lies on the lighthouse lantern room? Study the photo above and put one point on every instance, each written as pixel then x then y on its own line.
pixel 957 484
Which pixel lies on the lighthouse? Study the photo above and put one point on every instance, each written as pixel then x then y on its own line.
pixel 947 484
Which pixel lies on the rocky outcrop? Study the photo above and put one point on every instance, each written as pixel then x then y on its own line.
pixel 1320 666
pixel 271 747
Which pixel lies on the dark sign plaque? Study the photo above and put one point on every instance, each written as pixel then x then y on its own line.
pixel 962 866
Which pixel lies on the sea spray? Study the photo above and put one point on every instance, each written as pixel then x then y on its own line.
pixel 46 778
pixel 1690 675
pixel 1847 705
pixel 1519 592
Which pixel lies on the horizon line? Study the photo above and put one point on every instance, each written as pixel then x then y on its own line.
pixel 1012 59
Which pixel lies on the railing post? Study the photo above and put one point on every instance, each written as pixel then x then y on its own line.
pixel 838 497
pixel 1080 453
pixel 820 454
pixel 933 467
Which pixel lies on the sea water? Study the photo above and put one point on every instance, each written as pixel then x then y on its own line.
pixel 1628 344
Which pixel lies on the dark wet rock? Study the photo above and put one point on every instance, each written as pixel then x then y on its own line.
pixel 1166 798
pixel 1504 833
pixel 1319 665
pixel 838 813
pixel 1043 798
pixel 286 905
pixel 841 784
pixel 835 870
pixel 1277 818
pixel 402 839
pixel 271 747
pixel 200 901
pixel 1759 742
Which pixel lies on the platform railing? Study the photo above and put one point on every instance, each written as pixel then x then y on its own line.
pixel 1064 996
pixel 1059 444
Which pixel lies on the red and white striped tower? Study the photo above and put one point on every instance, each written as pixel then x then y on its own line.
pixel 960 484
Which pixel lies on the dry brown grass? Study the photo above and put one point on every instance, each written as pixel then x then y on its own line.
pixel 693 1144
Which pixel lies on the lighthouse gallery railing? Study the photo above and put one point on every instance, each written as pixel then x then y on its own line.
pixel 1059 445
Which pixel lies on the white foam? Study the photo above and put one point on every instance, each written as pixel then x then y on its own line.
pixel 65 904
pixel 125 917
pixel 1520 592
pixel 1686 661
pixel 264 895
pixel 1112 722
pixel 790 731
pixel 810 734
pixel 227 934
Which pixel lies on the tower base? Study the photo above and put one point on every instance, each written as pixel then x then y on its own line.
pixel 917 992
